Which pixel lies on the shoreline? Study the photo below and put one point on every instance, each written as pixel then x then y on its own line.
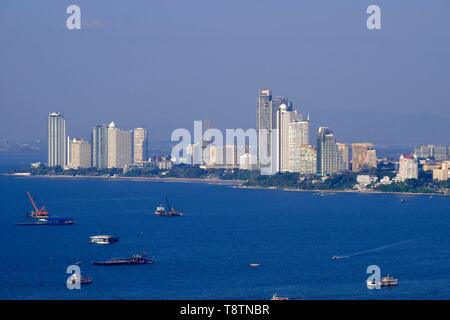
pixel 142 179
pixel 343 191
pixel 237 184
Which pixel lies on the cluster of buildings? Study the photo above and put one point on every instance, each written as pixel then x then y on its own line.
pixel 436 159
pixel 294 152
pixel 109 147
pixel 282 135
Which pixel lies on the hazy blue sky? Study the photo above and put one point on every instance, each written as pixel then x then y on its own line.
pixel 162 64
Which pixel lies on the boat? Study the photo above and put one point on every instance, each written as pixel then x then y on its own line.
pixel 135 259
pixel 83 280
pixel 276 297
pixel 103 239
pixel 389 281
pixel 384 282
pixel 48 222
pixel 36 212
pixel 168 211
pixel 254 265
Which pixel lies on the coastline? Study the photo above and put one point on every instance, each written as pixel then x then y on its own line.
pixel 142 179
pixel 237 184
pixel 343 191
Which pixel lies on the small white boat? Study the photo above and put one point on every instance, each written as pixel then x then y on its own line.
pixel 389 281
pixel 103 239
pixel 254 265
pixel 276 297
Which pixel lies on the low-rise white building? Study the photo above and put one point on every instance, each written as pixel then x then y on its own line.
pixel 365 180
pixel 443 173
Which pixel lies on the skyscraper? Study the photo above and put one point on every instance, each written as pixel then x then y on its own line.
pixel 265 126
pixel 140 145
pixel 363 156
pixel 298 133
pixel 56 140
pixel 119 147
pixel 284 119
pixel 345 152
pixel 329 158
pixel 100 146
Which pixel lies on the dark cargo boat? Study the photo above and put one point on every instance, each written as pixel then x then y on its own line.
pixel 135 259
pixel 48 222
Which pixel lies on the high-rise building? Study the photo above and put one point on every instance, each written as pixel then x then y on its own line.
pixel 303 160
pixel 140 145
pixel 363 156
pixel 100 146
pixel 56 140
pixel 329 158
pixel 119 147
pixel 298 133
pixel 408 168
pixel 284 120
pixel 440 153
pixel 345 151
pixel 424 152
pixel 265 126
pixel 80 154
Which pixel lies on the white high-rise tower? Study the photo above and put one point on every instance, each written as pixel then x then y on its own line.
pixel 56 140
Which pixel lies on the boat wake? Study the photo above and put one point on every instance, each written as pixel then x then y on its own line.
pixel 359 253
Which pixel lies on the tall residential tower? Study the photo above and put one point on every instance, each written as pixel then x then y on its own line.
pixel 329 158
pixel 100 146
pixel 265 125
pixel 56 140
pixel 140 145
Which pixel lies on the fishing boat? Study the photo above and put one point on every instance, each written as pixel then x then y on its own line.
pixel 254 265
pixel 103 239
pixel 135 259
pixel 167 211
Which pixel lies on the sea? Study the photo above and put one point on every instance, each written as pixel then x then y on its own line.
pixel 206 253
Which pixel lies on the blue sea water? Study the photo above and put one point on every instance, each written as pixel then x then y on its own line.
pixel 205 254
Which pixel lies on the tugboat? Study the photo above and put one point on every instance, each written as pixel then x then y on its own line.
pixel 161 211
pixel 103 239
pixel 135 259
pixel 41 213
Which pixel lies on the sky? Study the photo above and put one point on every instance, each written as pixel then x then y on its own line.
pixel 163 64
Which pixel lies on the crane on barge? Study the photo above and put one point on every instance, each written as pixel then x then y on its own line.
pixel 37 213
